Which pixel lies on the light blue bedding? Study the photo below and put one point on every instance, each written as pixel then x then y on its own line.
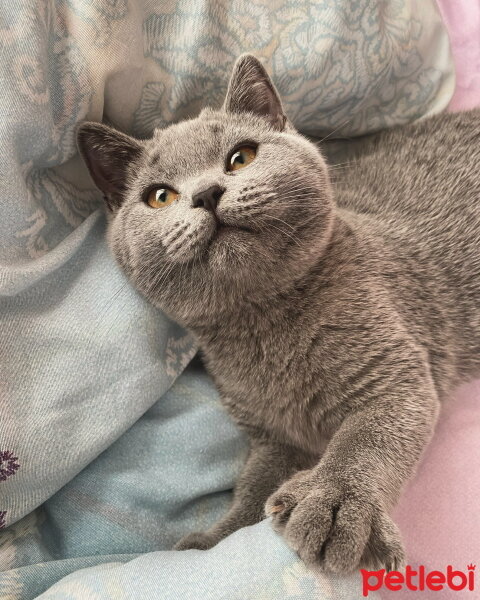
pixel 101 467
pixel 170 473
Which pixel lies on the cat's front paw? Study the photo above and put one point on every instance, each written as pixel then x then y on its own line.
pixel 197 540
pixel 334 527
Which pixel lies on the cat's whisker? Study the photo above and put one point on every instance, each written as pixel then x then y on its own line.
pixel 164 274
pixel 292 237
pixel 293 198
pixel 281 221
pixel 101 315
pixel 294 201
pixel 335 130
pixel 348 162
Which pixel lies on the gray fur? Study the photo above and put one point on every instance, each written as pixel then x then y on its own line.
pixel 333 321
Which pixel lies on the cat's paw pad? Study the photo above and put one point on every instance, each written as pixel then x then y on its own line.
pixel 197 540
pixel 334 528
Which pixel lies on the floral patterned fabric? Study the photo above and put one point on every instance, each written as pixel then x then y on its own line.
pixel 82 356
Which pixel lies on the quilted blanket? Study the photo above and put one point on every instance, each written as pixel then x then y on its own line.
pixel 111 446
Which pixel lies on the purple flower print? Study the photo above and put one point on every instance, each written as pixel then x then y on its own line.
pixel 8 464
pixel 2 519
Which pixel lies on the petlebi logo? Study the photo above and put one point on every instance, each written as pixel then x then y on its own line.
pixel 418 580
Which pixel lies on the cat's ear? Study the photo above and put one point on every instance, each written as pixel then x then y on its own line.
pixel 251 90
pixel 108 154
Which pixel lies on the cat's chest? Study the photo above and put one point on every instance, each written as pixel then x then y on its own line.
pixel 251 365
pixel 266 383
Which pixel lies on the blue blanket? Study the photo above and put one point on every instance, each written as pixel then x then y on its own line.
pixel 109 449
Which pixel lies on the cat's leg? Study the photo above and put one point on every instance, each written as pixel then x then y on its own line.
pixel 336 514
pixel 268 465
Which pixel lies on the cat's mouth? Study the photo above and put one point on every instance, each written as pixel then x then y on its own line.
pixel 225 230
pixel 226 237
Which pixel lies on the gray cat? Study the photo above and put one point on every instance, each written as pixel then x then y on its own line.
pixel 333 321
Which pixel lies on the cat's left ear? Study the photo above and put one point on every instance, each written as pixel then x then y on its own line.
pixel 251 90
pixel 108 154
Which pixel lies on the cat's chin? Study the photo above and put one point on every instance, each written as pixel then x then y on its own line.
pixel 228 237
pixel 230 248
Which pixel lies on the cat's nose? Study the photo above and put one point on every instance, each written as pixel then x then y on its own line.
pixel 209 198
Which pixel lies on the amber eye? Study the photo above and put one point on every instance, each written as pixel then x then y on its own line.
pixel 161 197
pixel 241 157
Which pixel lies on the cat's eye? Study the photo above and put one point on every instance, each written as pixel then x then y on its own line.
pixel 160 197
pixel 241 157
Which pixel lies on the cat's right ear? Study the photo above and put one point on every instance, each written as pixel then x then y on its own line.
pixel 251 90
pixel 107 154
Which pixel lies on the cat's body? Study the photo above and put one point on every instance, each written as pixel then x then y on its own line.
pixel 420 186
pixel 331 333
pixel 404 252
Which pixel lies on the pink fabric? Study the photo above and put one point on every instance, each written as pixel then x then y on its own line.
pixel 462 18
pixel 439 513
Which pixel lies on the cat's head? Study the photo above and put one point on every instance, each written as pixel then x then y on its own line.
pixel 226 208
